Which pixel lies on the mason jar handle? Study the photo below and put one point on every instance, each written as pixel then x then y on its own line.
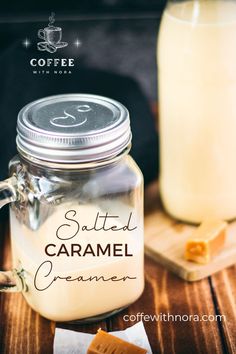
pixel 13 280
pixel 41 34
pixel 8 191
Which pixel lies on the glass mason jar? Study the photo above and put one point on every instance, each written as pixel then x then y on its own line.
pixel 76 209
pixel 197 96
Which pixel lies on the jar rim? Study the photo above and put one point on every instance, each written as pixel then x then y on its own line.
pixel 77 165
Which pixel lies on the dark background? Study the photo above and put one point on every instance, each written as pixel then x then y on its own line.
pixel 25 8
pixel 116 35
pixel 117 59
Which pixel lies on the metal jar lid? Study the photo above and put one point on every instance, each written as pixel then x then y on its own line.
pixel 73 128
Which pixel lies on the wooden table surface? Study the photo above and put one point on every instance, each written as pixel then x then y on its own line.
pixel 22 331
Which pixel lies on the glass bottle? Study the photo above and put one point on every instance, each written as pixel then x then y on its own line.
pixel 197 97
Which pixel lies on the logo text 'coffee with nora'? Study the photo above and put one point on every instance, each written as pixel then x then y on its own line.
pixel 50 42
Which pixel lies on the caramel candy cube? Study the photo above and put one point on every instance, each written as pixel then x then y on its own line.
pixel 106 343
pixel 207 240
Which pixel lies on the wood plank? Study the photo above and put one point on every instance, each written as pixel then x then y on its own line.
pixel 165 240
pixel 224 290
pixel 23 330
pixel 165 293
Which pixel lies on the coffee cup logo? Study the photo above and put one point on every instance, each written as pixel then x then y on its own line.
pixel 51 36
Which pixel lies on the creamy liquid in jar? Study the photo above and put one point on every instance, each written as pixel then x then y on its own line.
pixel 76 209
pixel 197 93
pixel 67 300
